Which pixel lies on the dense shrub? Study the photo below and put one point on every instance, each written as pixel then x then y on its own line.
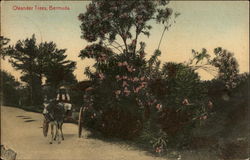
pixel 184 99
pixel 114 98
pixel 9 89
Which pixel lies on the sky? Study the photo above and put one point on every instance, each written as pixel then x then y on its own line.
pixel 202 24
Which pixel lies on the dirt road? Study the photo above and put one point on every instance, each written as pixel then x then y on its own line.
pixel 22 132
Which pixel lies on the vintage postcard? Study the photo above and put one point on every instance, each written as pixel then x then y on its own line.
pixel 124 79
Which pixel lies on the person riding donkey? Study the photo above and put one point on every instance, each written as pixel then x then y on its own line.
pixel 64 98
pixel 56 110
pixel 53 115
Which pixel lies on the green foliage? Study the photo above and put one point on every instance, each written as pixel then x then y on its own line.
pixel 198 57
pixel 114 18
pixel 126 87
pixel 3 49
pixel 184 101
pixel 38 61
pixel 96 51
pixel 109 20
pixel 228 67
pixel 24 57
pixel 160 142
pixel 10 89
pixel 121 72
pixel 154 65
pixel 182 83
pixel 116 85
pixel 225 63
pixel 55 68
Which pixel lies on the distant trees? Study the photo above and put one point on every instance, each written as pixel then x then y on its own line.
pixel 38 61
pixel 226 65
pixel 55 68
pixel 10 94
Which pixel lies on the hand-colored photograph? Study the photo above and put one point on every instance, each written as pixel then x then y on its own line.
pixel 124 79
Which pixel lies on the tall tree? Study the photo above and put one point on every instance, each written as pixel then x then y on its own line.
pixel 24 57
pixel 55 67
pixel 38 61
pixel 121 71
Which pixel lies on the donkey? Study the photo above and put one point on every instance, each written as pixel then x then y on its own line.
pixel 58 113
pixel 54 116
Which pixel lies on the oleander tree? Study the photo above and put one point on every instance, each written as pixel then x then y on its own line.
pixel 121 73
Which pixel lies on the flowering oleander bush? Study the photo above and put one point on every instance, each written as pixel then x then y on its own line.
pixel 120 92
pixel 121 99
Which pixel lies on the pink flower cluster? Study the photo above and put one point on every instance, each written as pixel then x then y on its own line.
pixel 210 104
pixel 185 102
pixel 120 64
pixel 203 117
pixel 132 79
pixel 101 76
pixel 126 85
pixel 130 68
pixel 142 85
pixel 159 107
pixel 126 91
pixel 159 149
pixel 125 64
pixel 121 77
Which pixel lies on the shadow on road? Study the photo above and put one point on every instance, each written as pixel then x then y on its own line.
pixel 26 118
pixel 21 116
pixel 30 120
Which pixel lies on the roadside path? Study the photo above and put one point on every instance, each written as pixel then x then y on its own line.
pixel 22 132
